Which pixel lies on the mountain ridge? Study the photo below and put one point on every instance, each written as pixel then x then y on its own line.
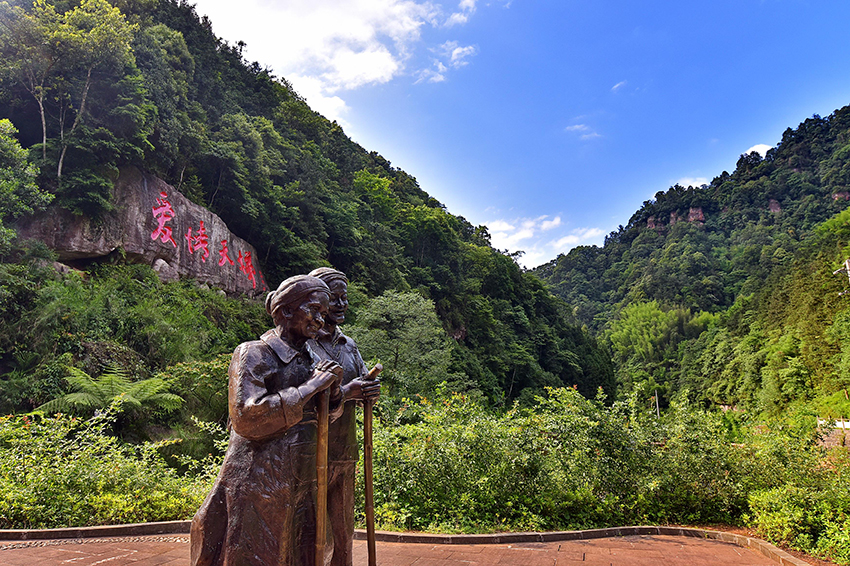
pixel 182 105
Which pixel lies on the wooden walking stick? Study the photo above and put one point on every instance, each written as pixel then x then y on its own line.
pixel 322 410
pixel 367 470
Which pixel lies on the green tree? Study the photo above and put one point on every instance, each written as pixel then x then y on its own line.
pixel 403 332
pixel 19 193
pixel 645 341
pixel 97 37
pixel 168 68
pixel 30 52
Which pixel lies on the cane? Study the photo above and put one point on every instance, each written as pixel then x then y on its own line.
pixel 322 411
pixel 367 470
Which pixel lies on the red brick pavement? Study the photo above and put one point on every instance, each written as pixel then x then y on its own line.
pixel 635 550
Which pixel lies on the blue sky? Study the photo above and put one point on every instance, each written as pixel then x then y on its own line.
pixel 551 121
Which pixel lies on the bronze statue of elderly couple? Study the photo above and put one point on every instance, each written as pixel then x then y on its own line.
pixel 263 509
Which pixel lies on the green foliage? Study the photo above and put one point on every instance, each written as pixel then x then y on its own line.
pixel 719 294
pixel 62 471
pixel 756 251
pixel 646 338
pixel 94 39
pixel 116 316
pixel 78 67
pixel 805 503
pixel 401 330
pixel 567 462
pixel 835 406
pixel 447 464
pixel 203 385
pixel 114 383
pixel 31 52
pixel 19 193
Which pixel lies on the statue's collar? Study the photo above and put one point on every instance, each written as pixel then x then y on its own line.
pixel 337 337
pixel 282 349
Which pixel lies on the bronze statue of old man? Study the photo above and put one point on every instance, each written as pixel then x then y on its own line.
pixel 262 509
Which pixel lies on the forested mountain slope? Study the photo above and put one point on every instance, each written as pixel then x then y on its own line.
pixel 93 87
pixel 727 290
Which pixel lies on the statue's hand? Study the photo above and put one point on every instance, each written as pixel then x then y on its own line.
pixel 362 389
pixel 329 366
pixel 326 374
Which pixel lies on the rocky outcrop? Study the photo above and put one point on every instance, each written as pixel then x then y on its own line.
pixel 695 214
pixel 153 224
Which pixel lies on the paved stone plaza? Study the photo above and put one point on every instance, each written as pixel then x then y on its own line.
pixel 634 550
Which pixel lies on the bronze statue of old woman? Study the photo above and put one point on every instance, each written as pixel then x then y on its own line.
pixel 262 509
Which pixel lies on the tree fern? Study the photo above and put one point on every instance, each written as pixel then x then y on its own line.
pixel 97 394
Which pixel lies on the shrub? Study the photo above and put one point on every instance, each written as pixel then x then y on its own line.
pixel 567 462
pixel 203 385
pixel 62 471
pixel 117 315
pixel 801 494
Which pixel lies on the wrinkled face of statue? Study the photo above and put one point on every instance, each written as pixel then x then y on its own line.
pixel 338 301
pixel 307 319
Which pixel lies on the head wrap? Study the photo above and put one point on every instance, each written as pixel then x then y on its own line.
pixel 328 274
pixel 291 290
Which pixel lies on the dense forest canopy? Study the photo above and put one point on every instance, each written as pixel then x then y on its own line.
pixel 93 87
pixel 727 290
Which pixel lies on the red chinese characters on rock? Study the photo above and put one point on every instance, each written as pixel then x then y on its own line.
pixel 223 257
pixel 163 213
pixel 199 241
pixel 246 265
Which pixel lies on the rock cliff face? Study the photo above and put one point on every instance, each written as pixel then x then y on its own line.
pixel 695 214
pixel 154 224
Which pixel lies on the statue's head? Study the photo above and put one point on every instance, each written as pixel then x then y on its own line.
pixel 337 282
pixel 299 306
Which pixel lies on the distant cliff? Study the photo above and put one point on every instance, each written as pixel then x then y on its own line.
pixel 153 224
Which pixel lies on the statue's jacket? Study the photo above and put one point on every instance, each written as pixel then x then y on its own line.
pixel 262 508
pixel 342 444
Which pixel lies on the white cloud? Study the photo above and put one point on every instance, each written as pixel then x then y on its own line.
pixel 577 237
pixel 512 240
pixel 435 75
pixel 586 132
pixel 533 257
pixel 454 54
pixel 501 226
pixel 456 19
pixel 692 181
pixel 761 148
pixel 330 106
pixel 467 8
pixel 508 234
pixel 459 55
pixel 325 47
pixel 534 237
pixel 618 86
pixel 549 224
